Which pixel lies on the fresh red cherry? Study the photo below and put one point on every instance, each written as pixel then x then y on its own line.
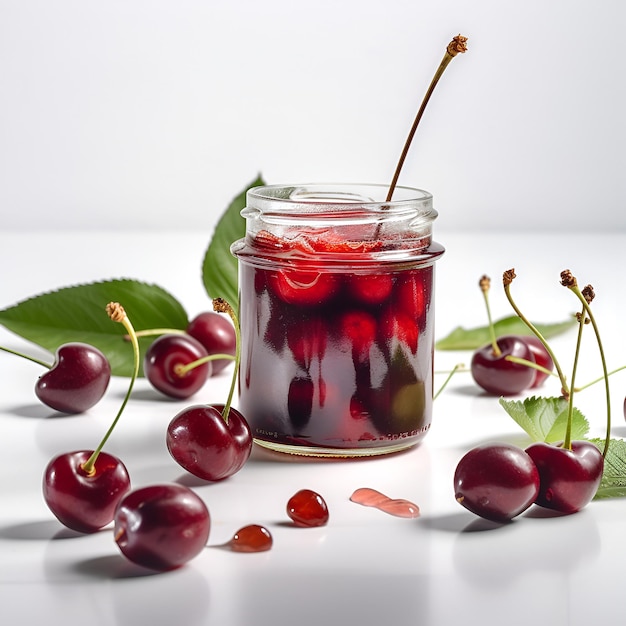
pixel 216 333
pixel 496 481
pixel 82 501
pixel 307 509
pixel 161 527
pixel 541 357
pixel 569 478
pixel 212 441
pixel 201 441
pixel 165 365
pixel 570 472
pixel 304 288
pixel 76 381
pixel 83 488
pixel 498 376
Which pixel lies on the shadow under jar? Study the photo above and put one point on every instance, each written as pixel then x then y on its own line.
pixel 337 319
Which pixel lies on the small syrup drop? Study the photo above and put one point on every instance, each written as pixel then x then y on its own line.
pixel 251 538
pixel 307 509
pixel 393 506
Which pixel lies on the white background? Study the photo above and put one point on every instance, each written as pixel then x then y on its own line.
pixel 153 114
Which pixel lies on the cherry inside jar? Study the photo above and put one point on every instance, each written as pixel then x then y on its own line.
pixel 337 318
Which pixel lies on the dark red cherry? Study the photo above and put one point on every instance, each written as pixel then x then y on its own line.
pixel 303 288
pixel 496 481
pixel 569 479
pixel 307 508
pixel 308 341
pixel 163 360
pixel 369 289
pixel 541 356
pixel 498 376
pixel 396 325
pixel 357 330
pixel 161 526
pixel 76 381
pixel 217 334
pixel 200 441
pixel 81 501
pixel 300 400
pixel 410 294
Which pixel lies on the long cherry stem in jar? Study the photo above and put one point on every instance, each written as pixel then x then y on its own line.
pixel 456 46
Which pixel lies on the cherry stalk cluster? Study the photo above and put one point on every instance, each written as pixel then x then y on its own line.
pixel 88 489
pixel 499 481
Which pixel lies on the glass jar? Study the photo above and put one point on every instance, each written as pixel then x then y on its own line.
pixel 337 318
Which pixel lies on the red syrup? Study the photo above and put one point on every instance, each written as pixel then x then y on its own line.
pixel 393 506
pixel 337 318
pixel 307 509
pixel 251 538
pixel 323 368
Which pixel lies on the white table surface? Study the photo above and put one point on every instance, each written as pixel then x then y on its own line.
pixel 364 567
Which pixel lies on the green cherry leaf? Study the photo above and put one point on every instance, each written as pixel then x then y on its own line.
pixel 77 313
pixel 473 338
pixel 613 483
pixel 219 266
pixel 545 419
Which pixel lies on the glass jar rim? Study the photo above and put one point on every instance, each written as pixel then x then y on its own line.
pixel 339 197
pixel 282 221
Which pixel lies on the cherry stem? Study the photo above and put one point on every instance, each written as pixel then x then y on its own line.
pixel 460 367
pixel 149 332
pixel 221 306
pixel 531 364
pixel 485 283
pixel 508 277
pixel 455 369
pixel 600 378
pixel 567 443
pixel 116 312
pixel 573 286
pixel 181 370
pixel 26 356
pixel 458 44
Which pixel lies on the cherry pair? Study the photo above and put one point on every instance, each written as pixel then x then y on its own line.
pixel 179 363
pixel 500 481
pixel 505 368
pixel 509 364
pixel 164 526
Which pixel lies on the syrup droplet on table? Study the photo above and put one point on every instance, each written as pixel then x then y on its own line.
pixel 251 538
pixel 394 506
pixel 307 509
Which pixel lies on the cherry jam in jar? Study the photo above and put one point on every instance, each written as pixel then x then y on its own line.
pixel 337 318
